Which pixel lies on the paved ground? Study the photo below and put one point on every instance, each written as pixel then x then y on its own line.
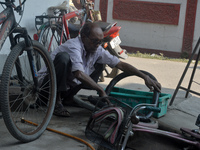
pixel 183 112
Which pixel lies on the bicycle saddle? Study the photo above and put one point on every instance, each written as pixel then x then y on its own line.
pixel 104 25
pixel 60 7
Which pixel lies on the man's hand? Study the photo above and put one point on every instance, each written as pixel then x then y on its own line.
pixel 103 94
pixel 152 84
pixel 129 69
pixel 88 81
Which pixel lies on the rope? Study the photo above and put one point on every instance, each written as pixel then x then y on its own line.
pixel 62 133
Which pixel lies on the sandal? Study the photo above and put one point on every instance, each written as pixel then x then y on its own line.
pixel 61 111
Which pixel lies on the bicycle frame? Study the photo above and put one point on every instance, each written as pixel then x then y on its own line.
pixel 8 28
pixel 86 11
pixel 132 128
pixel 180 137
pixel 138 128
pixel 68 16
pixel 8 22
pixel 63 17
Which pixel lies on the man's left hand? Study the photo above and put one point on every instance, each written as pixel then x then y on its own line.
pixel 152 84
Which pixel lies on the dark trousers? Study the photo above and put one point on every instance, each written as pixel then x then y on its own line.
pixel 62 65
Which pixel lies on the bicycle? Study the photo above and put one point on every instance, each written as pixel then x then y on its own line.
pixel 55 30
pixel 99 128
pixel 21 89
pixel 102 124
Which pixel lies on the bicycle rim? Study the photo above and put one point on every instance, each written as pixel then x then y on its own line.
pixel 21 98
pixel 50 36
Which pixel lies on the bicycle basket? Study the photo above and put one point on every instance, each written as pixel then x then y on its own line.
pixel 106 125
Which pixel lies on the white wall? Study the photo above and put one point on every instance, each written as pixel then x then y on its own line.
pixel 32 8
pixel 151 35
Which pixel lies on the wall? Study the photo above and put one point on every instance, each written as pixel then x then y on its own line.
pixel 197 23
pixel 155 26
pixel 32 9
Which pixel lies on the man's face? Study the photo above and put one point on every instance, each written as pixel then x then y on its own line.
pixel 92 42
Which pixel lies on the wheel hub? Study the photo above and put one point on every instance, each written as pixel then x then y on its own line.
pixel 30 95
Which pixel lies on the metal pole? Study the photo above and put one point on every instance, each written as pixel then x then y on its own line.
pixel 193 72
pixel 185 71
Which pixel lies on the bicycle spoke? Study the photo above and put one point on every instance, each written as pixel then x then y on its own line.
pixel 24 98
pixel 50 37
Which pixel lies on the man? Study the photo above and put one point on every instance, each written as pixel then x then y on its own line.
pixel 79 61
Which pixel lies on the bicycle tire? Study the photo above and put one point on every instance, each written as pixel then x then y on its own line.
pixel 50 34
pixel 20 98
pixel 122 76
pixel 85 104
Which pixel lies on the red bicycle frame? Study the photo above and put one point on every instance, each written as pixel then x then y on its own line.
pixel 68 16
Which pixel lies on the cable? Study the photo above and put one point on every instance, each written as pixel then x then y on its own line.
pixel 62 133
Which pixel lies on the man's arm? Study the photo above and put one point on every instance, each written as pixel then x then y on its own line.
pixel 129 69
pixel 88 81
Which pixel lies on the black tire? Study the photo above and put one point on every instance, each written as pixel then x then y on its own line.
pixel 50 33
pixel 122 76
pixel 21 98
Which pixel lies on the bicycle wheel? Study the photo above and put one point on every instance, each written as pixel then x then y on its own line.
pixel 21 98
pixel 123 76
pixel 50 36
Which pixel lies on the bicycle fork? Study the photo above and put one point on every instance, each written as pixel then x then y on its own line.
pixel 29 48
pixel 125 137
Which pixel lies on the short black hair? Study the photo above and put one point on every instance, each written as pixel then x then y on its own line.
pixel 86 30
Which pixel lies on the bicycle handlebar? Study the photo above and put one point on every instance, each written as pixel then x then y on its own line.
pixel 136 118
pixel 154 109
pixel 98 102
pixel 18 9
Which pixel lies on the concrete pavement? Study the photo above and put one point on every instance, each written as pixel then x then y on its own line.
pixel 183 112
